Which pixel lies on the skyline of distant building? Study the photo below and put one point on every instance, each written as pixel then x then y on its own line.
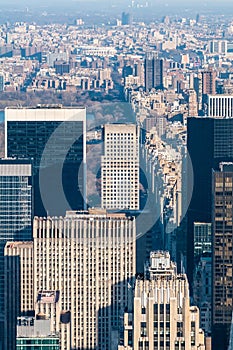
pixel 169 66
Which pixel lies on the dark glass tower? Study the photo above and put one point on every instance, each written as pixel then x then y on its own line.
pixel 55 139
pixel 222 255
pixel 15 212
pixel 210 141
pixel 126 19
pixel 153 68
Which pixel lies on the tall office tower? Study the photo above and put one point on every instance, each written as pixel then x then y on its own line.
pixel 55 138
pixel 15 211
pixel 18 296
pixel 153 70
pixel 120 167
pixel 21 329
pixel 222 255
pixel 209 142
pixel 220 106
pixel 126 19
pixel 89 257
pixel 162 317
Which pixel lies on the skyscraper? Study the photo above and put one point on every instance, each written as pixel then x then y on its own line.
pixel 210 141
pixel 55 138
pixel 162 317
pixel 126 18
pixel 89 257
pixel 15 211
pixel 120 167
pixel 23 302
pixel 18 296
pixel 153 68
pixel 222 255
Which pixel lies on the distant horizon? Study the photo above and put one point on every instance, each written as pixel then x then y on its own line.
pixel 126 3
pixel 56 11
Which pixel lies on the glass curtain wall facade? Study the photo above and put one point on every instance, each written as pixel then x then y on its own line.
pixel 209 142
pixel 153 68
pixel 222 255
pixel 55 139
pixel 15 211
pixel 37 343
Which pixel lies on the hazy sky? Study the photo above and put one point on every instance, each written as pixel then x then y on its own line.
pixel 103 11
pixel 120 4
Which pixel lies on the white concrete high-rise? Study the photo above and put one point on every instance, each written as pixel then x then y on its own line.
pixel 120 167
pixel 77 272
pixel 220 106
pixel 89 257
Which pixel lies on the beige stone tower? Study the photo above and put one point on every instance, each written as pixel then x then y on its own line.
pixel 162 317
